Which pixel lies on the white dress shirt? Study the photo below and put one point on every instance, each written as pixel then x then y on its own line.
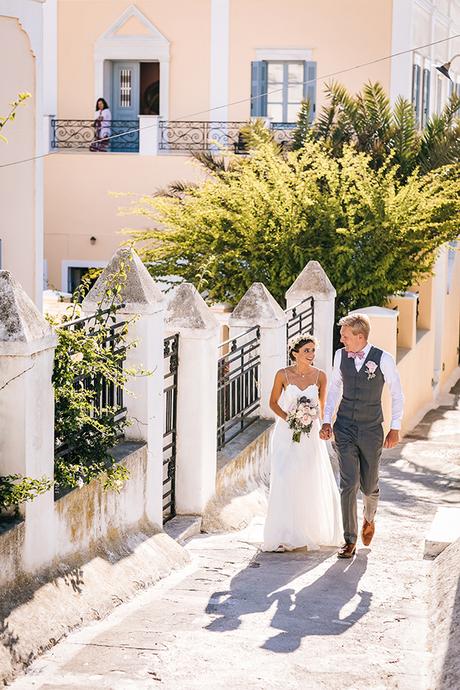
pixel 390 374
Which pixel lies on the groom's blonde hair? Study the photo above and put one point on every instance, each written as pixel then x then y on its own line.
pixel 359 323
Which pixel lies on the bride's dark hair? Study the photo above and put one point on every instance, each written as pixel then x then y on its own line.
pixel 301 343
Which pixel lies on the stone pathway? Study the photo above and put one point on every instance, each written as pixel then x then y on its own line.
pixel 238 618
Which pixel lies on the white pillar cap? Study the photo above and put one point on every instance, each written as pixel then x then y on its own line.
pixel 258 307
pixel 139 294
pixel 312 281
pixel 188 313
pixel 23 329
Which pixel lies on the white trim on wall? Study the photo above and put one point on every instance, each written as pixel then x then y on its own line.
pixel 39 21
pixel 219 73
pixel 76 263
pixel 401 39
pixel 275 54
pixel 153 47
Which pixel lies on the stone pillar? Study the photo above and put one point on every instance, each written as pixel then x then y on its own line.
pixel 313 282
pixel 198 328
pixel 144 310
pixel 148 135
pixel 440 291
pixel 222 311
pixel 405 306
pixel 27 344
pixel 258 307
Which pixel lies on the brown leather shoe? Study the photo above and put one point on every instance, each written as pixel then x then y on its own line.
pixel 347 551
pixel 367 532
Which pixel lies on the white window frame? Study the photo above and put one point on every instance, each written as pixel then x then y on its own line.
pixel 424 63
pixel 285 90
pixel 76 263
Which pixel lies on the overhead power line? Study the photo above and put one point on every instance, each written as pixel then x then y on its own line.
pixel 251 98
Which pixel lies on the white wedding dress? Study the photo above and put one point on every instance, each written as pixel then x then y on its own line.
pixel 304 503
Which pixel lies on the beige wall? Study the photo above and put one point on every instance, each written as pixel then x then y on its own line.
pixel 341 34
pixel 451 339
pixel 415 354
pixel 17 183
pixel 75 184
pixel 79 204
pixel 185 24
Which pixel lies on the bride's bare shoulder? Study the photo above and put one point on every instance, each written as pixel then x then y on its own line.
pixel 283 374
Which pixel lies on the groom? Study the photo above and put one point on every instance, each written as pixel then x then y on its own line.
pixel 359 374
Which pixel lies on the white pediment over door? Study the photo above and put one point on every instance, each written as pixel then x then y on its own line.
pixel 132 37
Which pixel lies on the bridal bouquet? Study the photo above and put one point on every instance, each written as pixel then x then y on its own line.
pixel 301 416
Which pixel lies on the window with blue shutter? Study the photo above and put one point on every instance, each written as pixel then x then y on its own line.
pixel 259 88
pixel 416 91
pixel 279 87
pixel 310 86
pixel 426 96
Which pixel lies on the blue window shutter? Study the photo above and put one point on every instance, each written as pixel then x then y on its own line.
pixel 416 91
pixel 426 96
pixel 259 88
pixel 309 87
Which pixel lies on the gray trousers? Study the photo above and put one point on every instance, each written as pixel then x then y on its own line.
pixel 358 448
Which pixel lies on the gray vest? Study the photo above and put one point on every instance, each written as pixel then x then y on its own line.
pixel 362 393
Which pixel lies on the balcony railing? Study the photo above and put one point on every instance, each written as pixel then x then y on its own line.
pixel 283 133
pixel 198 136
pixel 178 136
pixel 184 136
pixel 123 135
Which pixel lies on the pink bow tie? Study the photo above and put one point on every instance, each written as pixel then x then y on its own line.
pixel 359 354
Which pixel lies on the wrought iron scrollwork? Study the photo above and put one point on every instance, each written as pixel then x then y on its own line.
pixel 123 135
pixel 198 135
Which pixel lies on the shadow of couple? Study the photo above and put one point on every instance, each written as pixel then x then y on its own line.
pixel 327 605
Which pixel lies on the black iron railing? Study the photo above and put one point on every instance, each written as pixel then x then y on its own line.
pixel 106 396
pixel 198 136
pixel 123 135
pixel 238 375
pixel 283 133
pixel 301 318
pixel 171 363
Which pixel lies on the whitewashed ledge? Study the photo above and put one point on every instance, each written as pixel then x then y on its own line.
pixel 242 480
pixel 107 554
pixel 444 616
pixel 444 530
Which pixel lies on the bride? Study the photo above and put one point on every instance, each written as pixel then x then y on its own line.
pixel 304 503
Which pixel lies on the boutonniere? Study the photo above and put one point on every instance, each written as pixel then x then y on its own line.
pixel 371 368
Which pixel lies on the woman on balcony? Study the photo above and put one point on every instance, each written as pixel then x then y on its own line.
pixel 102 129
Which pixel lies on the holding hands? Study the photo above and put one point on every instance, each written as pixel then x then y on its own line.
pixel 325 432
pixel 391 440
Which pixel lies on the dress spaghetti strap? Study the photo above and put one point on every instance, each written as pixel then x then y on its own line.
pixel 286 376
pixel 317 378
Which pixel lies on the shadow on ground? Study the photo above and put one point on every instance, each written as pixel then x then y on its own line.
pixel 269 581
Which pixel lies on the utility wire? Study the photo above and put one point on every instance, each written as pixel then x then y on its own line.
pixel 251 98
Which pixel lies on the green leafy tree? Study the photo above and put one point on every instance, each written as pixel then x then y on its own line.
pixel 262 221
pixel 303 127
pixel 14 105
pixel 367 122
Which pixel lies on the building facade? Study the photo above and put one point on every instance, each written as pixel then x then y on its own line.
pixel 28 38
pixel 179 75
